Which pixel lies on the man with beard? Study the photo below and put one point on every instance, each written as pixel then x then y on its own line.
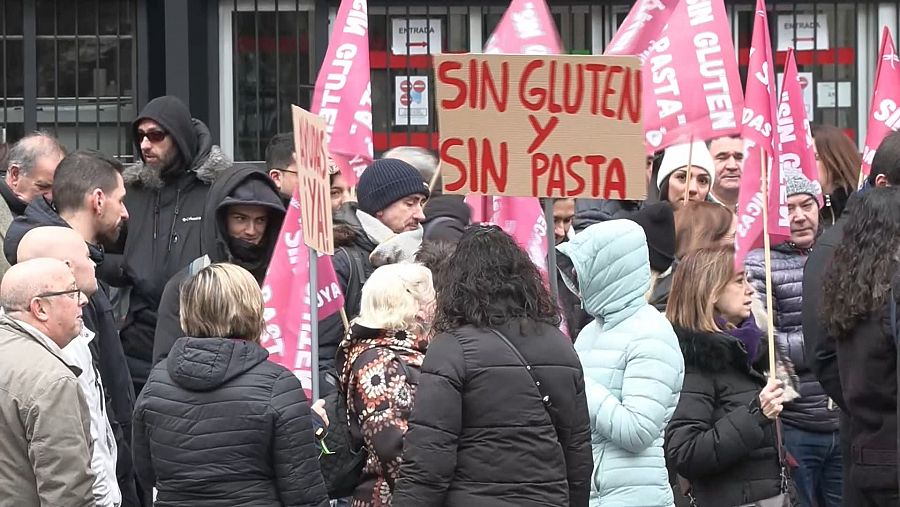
pixel 30 166
pixel 811 420
pixel 245 215
pixel 728 156
pixel 178 163
pixel 89 198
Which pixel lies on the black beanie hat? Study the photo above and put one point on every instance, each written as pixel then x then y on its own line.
pixel 386 181
pixel 658 223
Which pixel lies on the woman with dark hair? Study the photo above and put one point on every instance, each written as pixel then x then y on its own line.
pixel 839 165
pixel 857 306
pixel 500 415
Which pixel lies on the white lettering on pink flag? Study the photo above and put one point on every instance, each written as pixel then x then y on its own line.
pixel 758 117
pixel 343 93
pixel 691 85
pixel 795 148
pixel 884 117
pixel 641 28
pixel 288 335
pixel 526 28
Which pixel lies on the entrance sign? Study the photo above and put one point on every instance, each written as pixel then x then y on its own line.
pixel 541 126
pixel 415 36
pixel 802 32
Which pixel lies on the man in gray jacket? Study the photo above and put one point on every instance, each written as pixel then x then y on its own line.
pixel 45 437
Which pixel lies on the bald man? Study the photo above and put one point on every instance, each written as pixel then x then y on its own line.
pixel 67 245
pixel 45 440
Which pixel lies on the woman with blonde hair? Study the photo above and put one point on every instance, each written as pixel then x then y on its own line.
pixel 379 363
pixel 703 224
pixel 217 424
pixel 722 437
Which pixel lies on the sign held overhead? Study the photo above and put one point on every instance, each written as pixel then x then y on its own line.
pixel 541 126
pixel 311 154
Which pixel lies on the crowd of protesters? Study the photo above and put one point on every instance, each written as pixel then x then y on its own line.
pixel 131 370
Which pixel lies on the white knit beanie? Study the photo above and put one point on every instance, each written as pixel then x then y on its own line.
pixel 676 157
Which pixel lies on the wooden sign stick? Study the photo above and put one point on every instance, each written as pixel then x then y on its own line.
pixel 687 188
pixel 770 319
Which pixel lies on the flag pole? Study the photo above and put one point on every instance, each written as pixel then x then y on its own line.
pixel 770 320
pixel 314 321
pixel 687 188
pixel 551 249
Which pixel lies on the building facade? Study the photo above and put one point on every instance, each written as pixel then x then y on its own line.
pixel 82 69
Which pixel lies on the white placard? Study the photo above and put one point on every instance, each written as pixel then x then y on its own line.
pixel 411 100
pixel 826 92
pixel 811 32
pixel 806 83
pixel 415 36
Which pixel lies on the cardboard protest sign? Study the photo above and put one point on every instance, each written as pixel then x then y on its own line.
pixel 314 187
pixel 343 92
pixel 692 89
pixel 884 117
pixel 541 126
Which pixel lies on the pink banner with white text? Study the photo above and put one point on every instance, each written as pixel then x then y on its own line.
pixel 758 120
pixel 642 26
pixel 288 335
pixel 343 93
pixel 691 86
pixel 795 148
pixel 884 116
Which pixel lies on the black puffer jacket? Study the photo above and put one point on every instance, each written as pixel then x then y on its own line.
pixel 719 438
pixel 218 425
pixel 163 233
pixel 810 411
pixel 446 217
pixel 479 434
pixel 243 185
pixel 594 211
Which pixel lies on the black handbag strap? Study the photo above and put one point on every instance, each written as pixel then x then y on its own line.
pixel 545 398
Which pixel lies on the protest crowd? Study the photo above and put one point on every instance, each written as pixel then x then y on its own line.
pixel 157 335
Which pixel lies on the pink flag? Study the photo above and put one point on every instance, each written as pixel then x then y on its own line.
pixel 526 28
pixel 691 85
pixel 288 335
pixel 641 28
pixel 343 94
pixel 795 148
pixel 758 120
pixel 884 116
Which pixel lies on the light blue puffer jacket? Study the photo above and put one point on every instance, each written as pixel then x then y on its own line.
pixel 633 367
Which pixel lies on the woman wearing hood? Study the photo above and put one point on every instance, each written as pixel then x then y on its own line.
pixel 217 424
pixel 632 366
pixel 247 213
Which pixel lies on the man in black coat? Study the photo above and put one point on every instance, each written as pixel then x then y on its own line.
pixel 168 190
pixel 89 198
pixel 821 350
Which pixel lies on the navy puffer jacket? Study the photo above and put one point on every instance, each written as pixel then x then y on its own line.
pixel 810 411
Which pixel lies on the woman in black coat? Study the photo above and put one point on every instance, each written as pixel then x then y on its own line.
pixel 480 433
pixel 217 425
pixel 857 304
pixel 721 438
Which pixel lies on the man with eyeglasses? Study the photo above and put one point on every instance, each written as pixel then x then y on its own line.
pixel 166 191
pixel 65 244
pixel 728 155
pixel 45 435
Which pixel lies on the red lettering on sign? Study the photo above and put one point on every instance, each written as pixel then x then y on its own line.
pixel 444 70
pixel 537 92
pixel 541 132
pixel 480 167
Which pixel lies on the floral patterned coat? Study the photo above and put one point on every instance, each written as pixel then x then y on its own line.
pixel 380 400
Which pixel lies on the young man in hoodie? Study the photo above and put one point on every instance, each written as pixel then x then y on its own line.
pixel 245 215
pixel 89 199
pixel 169 185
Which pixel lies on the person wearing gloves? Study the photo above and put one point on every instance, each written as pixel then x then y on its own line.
pixel 633 368
pixel 672 179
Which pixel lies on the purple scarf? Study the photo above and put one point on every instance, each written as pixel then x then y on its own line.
pixel 748 333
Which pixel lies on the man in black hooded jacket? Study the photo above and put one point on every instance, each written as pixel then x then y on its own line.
pixel 89 199
pixel 245 215
pixel 167 190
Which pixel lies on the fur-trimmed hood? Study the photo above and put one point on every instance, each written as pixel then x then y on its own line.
pixel 712 352
pixel 208 163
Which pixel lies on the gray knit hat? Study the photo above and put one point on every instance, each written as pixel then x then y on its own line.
pixel 797 183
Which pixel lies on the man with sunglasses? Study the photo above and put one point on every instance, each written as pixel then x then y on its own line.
pixel 45 436
pixel 166 192
pixel 728 155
